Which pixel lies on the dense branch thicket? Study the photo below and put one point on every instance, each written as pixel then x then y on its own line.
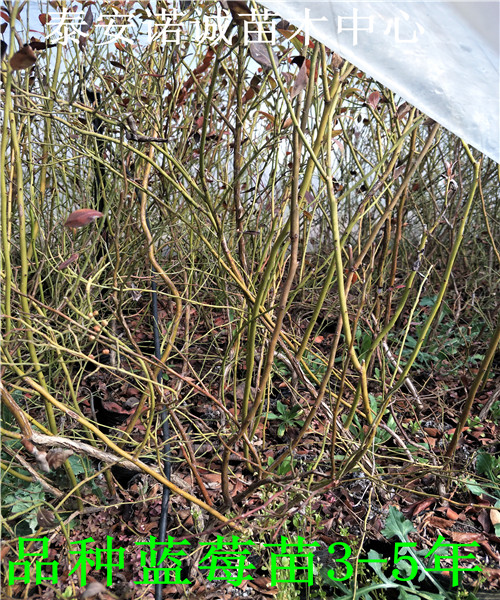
pixel 327 262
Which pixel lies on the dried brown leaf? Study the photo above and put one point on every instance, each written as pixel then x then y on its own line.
pixel 466 537
pixel 495 516
pixel 23 59
pixel 403 110
pixel 92 589
pixel 57 456
pixel 41 458
pixel 258 51
pixel 73 258
pixel 82 217
pixel 86 25
pixel 300 81
pixel 440 523
pixel 45 518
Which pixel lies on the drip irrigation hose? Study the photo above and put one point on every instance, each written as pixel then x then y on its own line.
pixel 100 171
pixel 165 429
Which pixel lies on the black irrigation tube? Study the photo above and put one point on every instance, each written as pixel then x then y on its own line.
pixel 100 172
pixel 165 429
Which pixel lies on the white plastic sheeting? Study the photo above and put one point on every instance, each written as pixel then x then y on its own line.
pixel 442 57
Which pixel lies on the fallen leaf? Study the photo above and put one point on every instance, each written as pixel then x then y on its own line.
pixel 432 431
pixel 263 585
pixel 451 514
pixel 484 518
pixel 466 537
pixel 495 516
pixel 431 441
pixel 439 522
pixel 93 589
pixel 423 505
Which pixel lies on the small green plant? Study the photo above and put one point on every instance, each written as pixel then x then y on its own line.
pixel 446 346
pixel 285 467
pixel 410 562
pixel 287 416
pixel 317 366
pixel 363 342
pixel 489 465
pixel 25 503
pixel 495 412
pixel 474 421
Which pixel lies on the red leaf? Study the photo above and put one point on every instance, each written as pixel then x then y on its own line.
pixel 403 109
pixel 44 19
pixel 68 261
pixel 240 11
pixel 423 505
pixel 374 99
pixel 452 515
pixel 291 34
pixel 252 90
pixel 199 69
pixel 249 94
pixel 82 217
